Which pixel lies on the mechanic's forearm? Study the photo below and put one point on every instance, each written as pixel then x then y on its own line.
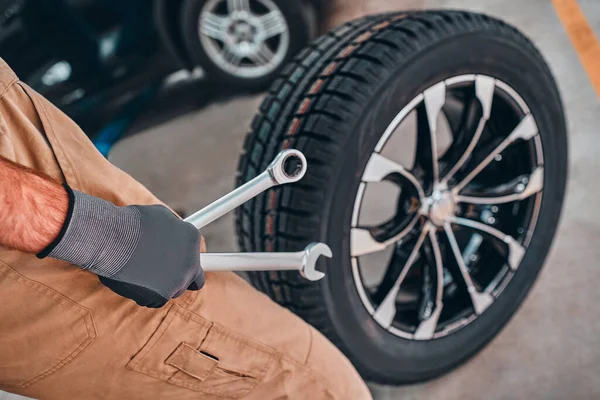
pixel 33 208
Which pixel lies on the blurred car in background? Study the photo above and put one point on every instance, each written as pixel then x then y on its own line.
pixel 84 54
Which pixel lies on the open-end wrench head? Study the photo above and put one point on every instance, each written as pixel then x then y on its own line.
pixel 312 252
pixel 289 166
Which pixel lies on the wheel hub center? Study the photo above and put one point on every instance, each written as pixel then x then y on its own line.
pixel 242 31
pixel 441 206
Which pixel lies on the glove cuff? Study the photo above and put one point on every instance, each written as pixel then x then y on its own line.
pixel 45 252
pixel 97 235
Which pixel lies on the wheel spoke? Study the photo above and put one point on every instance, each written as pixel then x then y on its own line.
pixel 516 251
pixel 484 91
pixel 272 24
pixel 213 26
pixel 262 56
pixel 525 131
pixel 230 56
pixel 463 117
pixel 238 5
pixel 379 167
pixel 363 241
pixel 434 99
pixel 426 328
pixel 384 314
pixel 481 300
pixel 535 184
pixel 392 272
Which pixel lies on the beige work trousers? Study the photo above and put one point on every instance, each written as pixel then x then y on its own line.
pixel 64 336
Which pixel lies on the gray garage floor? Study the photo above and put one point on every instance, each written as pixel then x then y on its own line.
pixel 550 350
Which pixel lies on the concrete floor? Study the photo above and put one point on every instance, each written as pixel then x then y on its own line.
pixel 550 349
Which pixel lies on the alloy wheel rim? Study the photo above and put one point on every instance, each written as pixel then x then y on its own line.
pixel 245 38
pixel 465 214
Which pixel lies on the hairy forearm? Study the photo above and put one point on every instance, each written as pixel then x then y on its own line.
pixel 33 208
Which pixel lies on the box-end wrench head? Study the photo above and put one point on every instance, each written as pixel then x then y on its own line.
pixel 304 261
pixel 289 166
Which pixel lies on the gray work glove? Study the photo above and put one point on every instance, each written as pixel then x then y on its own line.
pixel 144 253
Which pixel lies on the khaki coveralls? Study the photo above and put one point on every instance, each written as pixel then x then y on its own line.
pixel 63 335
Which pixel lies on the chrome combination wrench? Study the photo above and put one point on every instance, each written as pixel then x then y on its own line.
pixel 289 166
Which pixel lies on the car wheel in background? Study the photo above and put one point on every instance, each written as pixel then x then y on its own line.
pixel 246 42
pixel 437 162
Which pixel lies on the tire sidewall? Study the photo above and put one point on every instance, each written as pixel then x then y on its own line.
pixel 296 15
pixel 365 342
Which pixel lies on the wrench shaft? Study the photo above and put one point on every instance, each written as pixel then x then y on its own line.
pixel 231 200
pixel 251 261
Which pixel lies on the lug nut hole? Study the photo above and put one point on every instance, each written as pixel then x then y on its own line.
pixel 292 165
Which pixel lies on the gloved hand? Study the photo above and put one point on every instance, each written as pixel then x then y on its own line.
pixel 144 253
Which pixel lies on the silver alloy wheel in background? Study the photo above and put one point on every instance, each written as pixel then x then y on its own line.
pixel 245 38
pixel 430 287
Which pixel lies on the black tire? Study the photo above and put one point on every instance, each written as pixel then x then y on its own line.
pixel 333 102
pixel 301 21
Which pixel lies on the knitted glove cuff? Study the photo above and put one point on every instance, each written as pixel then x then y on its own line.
pixel 97 235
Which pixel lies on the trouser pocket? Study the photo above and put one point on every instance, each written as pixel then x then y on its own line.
pixel 40 330
pixel 192 352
